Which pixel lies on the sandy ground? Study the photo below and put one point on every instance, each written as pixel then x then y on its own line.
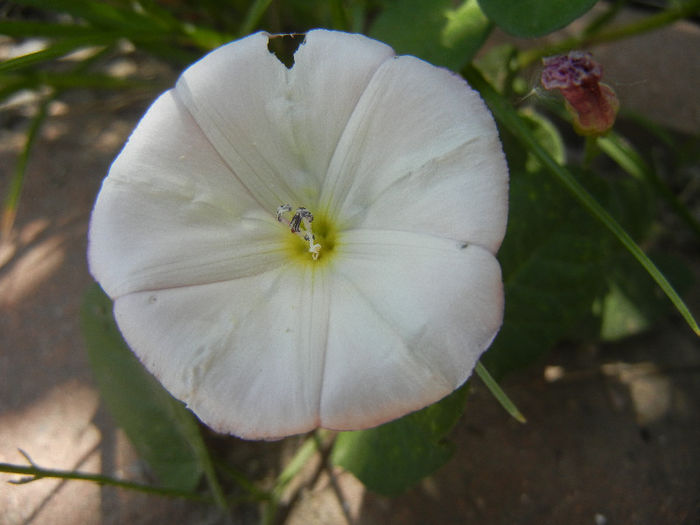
pixel 613 434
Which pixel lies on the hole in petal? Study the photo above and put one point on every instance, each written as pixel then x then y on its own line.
pixel 284 47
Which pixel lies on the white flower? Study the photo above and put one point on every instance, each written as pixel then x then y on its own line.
pixel 393 295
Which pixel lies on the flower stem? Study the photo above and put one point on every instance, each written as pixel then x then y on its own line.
pixel 34 472
pixel 590 151
pixel 637 27
pixel 305 452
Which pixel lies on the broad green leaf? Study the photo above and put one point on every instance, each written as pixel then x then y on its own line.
pixel 391 458
pixel 556 258
pixel 552 269
pixel 508 117
pixel 633 304
pixel 548 136
pixel 532 18
pixel 498 65
pixel 164 433
pixel 433 30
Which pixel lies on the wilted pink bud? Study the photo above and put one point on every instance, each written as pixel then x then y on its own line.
pixel 592 103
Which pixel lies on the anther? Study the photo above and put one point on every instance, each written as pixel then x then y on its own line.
pixel 300 224
pixel 285 208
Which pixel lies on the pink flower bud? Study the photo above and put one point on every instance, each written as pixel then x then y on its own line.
pixel 592 104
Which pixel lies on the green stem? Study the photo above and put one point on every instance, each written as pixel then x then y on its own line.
pixel 637 27
pixel 305 452
pixel 36 473
pixel 202 453
pixel 604 18
pixel 239 478
pixel 590 151
pixel 508 117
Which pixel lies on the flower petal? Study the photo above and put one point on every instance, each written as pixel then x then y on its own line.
pixel 420 153
pixel 246 355
pixel 402 163
pixel 275 127
pixel 410 316
pixel 171 213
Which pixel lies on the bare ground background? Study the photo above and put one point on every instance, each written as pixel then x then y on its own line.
pixel 613 433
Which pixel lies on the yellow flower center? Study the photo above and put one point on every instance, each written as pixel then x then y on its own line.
pixel 314 237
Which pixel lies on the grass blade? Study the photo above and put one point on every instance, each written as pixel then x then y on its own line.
pixel 252 18
pixel 619 150
pixel 499 394
pixel 57 49
pixel 14 192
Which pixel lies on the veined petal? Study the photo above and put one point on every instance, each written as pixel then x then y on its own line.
pixel 246 355
pixel 171 213
pixel 420 143
pixel 410 316
pixel 400 165
pixel 440 199
pixel 277 128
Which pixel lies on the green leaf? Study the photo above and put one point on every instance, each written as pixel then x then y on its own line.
pixel 164 433
pixel 508 117
pixel 552 269
pixel 556 258
pixel 532 18
pixel 633 304
pixel 547 136
pixel 433 30
pixel 391 458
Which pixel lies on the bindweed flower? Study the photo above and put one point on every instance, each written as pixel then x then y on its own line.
pixel 592 104
pixel 290 248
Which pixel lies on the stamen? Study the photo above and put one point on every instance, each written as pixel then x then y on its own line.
pixel 300 224
pixel 281 210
